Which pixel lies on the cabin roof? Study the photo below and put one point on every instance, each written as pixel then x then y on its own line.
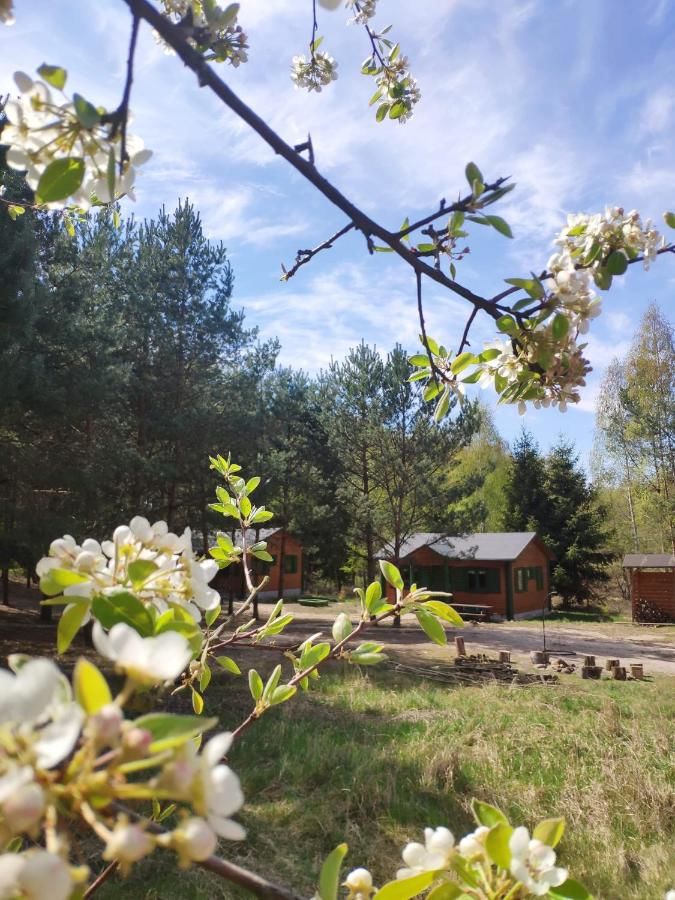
pixel 649 561
pixel 482 546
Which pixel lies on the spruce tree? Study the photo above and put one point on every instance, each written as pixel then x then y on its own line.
pixel 525 498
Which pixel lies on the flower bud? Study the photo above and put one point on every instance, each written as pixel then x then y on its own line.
pixel 45 876
pixel 137 741
pixel 127 844
pixel 359 883
pixel 194 841
pixel 23 808
pixel 105 727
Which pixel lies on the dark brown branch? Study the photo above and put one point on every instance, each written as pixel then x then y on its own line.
pixel 304 256
pixel 124 106
pixel 465 336
pixel 208 78
pixel 101 878
pixel 435 371
pixel 231 872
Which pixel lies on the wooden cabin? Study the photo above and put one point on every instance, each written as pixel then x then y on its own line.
pixel 652 586
pixel 508 573
pixel 285 573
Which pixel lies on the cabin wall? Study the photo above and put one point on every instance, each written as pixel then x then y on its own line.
pixel 531 601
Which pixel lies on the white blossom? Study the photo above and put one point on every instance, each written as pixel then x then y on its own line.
pixel 148 660
pixel 533 863
pixel 22 800
pixel 41 130
pixel 431 856
pixel 359 883
pixel 194 840
pixel 366 10
pixel 32 705
pixel 34 875
pixel 473 845
pixel 314 73
pixel 127 843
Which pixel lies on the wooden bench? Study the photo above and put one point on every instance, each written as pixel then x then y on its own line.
pixel 473 611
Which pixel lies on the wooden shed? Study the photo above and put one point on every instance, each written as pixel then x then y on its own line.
pixel 509 572
pixel 284 574
pixel 652 586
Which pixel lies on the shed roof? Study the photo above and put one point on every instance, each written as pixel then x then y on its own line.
pixel 482 546
pixel 649 561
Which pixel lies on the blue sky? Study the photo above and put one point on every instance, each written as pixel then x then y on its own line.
pixel 575 99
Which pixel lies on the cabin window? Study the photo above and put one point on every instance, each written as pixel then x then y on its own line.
pixel 477 581
pixel 290 564
pixel 525 575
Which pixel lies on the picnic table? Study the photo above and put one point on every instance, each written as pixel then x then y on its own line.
pixel 473 611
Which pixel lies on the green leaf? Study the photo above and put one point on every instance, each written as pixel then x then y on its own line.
pixel 376 96
pixel 549 831
pixel 211 615
pixel 431 390
pixel 602 278
pixel 669 219
pixel 431 627
pixel 426 248
pixel 263 555
pixel 473 174
pixel 205 678
pixel 500 225
pixel 170 730
pixel 560 326
pixel 123 607
pixel 252 484
pixel 396 110
pixel 373 595
pixel 70 623
pixel 391 574
pixel 497 844
pixel 272 682
pixel 382 111
pixel 448 890
pixel 489 354
pixel 462 361
pixel 507 325
pixel 197 702
pixel 312 656
pixel 140 569
pixel 86 112
pixel 57 579
pixel 342 628
pixel 255 684
pixel 329 878
pixel 367 659
pixel 405 888
pixel 443 405
pixel 421 360
pixel 487 815
pixel 281 694
pixel 444 611
pixel 245 507
pixel 90 687
pixel 533 286
pixel 60 179
pixel 570 890
pixel 53 75
pixel 228 664
pixel 616 263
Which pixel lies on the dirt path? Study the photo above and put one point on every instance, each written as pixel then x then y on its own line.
pixel 573 641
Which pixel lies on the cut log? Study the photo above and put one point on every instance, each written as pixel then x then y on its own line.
pixel 589 661
pixel 637 671
pixel 619 673
pixel 591 671
pixel 505 656
pixel 460 649
pixel 539 657
pixel 610 663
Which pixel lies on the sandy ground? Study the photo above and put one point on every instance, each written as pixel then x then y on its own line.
pixel 653 647
pixel 21 631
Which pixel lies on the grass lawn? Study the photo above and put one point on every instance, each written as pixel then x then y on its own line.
pixel 372 759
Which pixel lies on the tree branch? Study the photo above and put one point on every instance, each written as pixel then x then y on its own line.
pixel 304 256
pixel 208 78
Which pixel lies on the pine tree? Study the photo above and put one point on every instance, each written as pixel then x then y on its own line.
pixel 574 526
pixel 525 498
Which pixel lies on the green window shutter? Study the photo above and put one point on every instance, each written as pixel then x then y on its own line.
pixel 459 579
pixel 290 564
pixel 492 585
